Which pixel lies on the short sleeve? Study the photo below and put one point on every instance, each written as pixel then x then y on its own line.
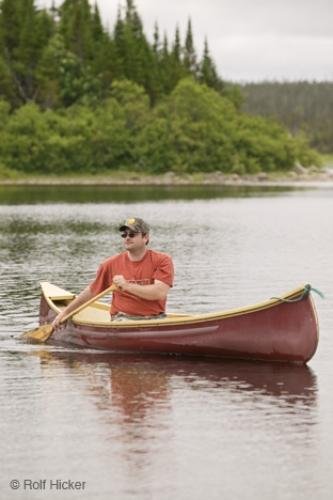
pixel 164 270
pixel 102 280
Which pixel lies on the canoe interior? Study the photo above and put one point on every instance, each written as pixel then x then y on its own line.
pixel 98 313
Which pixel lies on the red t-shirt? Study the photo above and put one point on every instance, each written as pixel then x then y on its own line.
pixel 153 266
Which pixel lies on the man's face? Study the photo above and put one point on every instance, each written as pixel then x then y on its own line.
pixel 133 240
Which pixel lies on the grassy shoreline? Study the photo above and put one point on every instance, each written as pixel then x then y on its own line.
pixel 169 180
pixel 298 175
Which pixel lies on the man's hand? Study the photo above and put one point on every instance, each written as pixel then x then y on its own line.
pixel 155 291
pixel 120 281
pixel 83 297
pixel 56 323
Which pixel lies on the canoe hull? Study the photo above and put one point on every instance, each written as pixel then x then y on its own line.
pixel 285 332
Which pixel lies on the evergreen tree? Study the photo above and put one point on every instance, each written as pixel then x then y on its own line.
pixel 165 46
pixel 130 11
pixel 189 57
pixel 156 44
pixel 207 72
pixel 120 45
pixel 176 49
pixel 54 11
pixel 135 55
pixel 77 28
pixel 164 66
pixel 104 62
pixel 10 25
pixel 97 27
pixel 173 68
pixel 9 33
pixel 24 32
pixel 92 57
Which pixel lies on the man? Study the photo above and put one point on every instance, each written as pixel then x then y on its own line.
pixel 142 276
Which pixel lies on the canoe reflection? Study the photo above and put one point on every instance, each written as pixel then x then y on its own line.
pixel 136 383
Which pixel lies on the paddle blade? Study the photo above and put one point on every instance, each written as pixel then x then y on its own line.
pixel 39 334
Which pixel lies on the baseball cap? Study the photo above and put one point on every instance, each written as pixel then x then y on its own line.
pixel 136 225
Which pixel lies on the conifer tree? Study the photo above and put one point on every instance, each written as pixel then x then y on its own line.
pixel 134 53
pixel 207 71
pixel 97 27
pixel 176 49
pixel 53 11
pixel 164 65
pixel 190 58
pixel 25 32
pixel 104 63
pixel 6 87
pixel 120 46
pixel 130 11
pixel 156 44
pixel 174 68
pixel 10 25
pixel 72 36
pixel 165 46
pixel 76 27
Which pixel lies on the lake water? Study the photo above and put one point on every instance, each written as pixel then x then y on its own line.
pixel 137 428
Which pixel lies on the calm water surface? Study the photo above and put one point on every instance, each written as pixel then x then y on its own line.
pixel 135 427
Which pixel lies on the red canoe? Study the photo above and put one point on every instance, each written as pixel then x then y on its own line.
pixel 280 329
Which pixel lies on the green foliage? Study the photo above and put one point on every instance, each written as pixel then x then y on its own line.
pixel 79 99
pixel 63 80
pixel 190 57
pixel 60 56
pixel 24 32
pixel 207 70
pixel 24 139
pixel 134 53
pixel 80 138
pixel 192 130
pixel 195 129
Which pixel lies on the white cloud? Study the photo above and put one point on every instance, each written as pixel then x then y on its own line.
pixel 273 57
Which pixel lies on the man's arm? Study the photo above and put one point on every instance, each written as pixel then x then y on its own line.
pixel 83 297
pixel 156 291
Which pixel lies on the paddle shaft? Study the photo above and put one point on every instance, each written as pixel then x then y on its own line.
pixel 111 288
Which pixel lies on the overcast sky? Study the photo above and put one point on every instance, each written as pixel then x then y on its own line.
pixel 249 40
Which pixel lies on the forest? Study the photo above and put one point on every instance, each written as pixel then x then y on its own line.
pixel 76 97
pixel 302 107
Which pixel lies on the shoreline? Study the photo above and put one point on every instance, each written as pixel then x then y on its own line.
pixel 322 179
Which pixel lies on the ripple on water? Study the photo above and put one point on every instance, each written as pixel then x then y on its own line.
pixel 143 427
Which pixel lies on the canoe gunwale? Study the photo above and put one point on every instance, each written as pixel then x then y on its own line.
pixel 182 319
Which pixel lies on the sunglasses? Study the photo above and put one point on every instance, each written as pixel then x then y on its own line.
pixel 128 234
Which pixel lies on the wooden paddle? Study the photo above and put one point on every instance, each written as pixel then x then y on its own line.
pixel 43 333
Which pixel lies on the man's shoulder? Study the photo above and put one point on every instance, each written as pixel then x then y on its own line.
pixel 113 259
pixel 159 256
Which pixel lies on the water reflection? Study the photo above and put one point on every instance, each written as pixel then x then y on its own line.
pixel 136 383
pixel 13 195
pixel 140 427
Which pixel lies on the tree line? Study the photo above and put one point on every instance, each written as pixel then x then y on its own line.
pixel 56 57
pixel 300 106
pixel 77 98
pixel 193 129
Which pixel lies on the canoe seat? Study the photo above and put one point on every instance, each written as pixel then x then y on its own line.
pixel 93 314
pixel 99 313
